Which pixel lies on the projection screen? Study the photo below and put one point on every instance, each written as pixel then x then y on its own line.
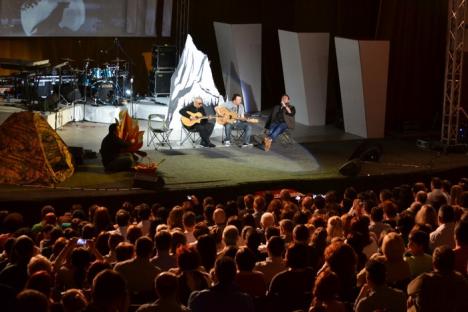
pixel 83 18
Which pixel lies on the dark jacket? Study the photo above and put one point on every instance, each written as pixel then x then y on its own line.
pixel 279 114
pixel 226 298
pixel 111 147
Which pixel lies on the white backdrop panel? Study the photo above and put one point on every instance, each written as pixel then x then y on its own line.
pixel 305 69
pixel 352 96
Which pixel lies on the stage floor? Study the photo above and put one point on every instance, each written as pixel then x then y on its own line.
pixel 309 165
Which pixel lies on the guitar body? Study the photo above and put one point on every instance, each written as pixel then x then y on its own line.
pixel 225 116
pixel 191 122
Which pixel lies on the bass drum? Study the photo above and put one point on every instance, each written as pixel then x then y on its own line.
pixel 103 92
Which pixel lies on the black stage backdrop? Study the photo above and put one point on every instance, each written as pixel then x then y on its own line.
pixel 416 29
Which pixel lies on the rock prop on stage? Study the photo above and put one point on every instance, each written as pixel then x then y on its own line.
pixel 31 152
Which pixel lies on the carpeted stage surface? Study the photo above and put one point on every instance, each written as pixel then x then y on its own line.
pixel 308 167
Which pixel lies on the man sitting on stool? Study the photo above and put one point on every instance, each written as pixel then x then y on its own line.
pixel 236 106
pixel 204 128
pixel 113 158
pixel 281 119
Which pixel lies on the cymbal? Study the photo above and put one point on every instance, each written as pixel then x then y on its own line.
pixel 88 60
pixel 118 60
pixel 67 59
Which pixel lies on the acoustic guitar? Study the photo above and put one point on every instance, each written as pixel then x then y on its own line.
pixel 226 116
pixel 191 122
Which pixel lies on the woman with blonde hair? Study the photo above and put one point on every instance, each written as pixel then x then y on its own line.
pixel 334 228
pixel 398 270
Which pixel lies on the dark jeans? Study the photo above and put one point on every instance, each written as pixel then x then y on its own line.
pixel 276 129
pixel 239 125
pixel 205 130
pixel 123 162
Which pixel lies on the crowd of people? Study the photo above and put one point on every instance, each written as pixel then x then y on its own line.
pixel 393 250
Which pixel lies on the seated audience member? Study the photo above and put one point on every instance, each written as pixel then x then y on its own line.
pixel 341 259
pixel 224 295
pixel 437 197
pixel 375 295
pixel 163 258
pixel 230 239
pixel 144 214
pixel 444 234
pixel 461 249
pixel 189 224
pixel 334 228
pixel 286 230
pixel 15 274
pixel 206 247
pixel 327 286
pixel 114 240
pixel 138 272
pixel 419 261
pixel 109 293
pixel 444 289
pixel 166 286
pixel 31 300
pixel 133 233
pixel 249 281
pixel 426 216
pixel 190 274
pixel 290 290
pixel 124 251
pixel 377 226
pixel 398 271
pixel 73 300
pixel 39 263
pixel 43 282
pixel 274 264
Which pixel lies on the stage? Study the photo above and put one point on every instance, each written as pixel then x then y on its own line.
pixel 310 164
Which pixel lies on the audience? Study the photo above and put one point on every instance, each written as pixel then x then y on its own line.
pixel 375 295
pixel 224 295
pixel 443 289
pixel 261 252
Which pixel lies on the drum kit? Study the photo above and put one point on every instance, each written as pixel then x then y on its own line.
pixel 108 83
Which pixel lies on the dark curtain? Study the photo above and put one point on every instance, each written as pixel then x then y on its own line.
pixel 417 33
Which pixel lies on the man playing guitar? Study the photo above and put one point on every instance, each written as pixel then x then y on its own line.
pixel 194 118
pixel 236 106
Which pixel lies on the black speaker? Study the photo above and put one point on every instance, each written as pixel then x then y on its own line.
pixel 162 82
pixel 164 57
pixel 367 152
pixel 350 168
pixel 77 154
pixel 148 181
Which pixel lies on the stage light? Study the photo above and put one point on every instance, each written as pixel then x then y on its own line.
pixel 128 92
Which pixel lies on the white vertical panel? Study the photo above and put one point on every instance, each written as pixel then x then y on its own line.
pixel 305 68
pixel 240 55
pixel 351 86
pixel 248 46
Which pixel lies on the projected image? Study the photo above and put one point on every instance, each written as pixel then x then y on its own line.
pixel 82 17
pixel 44 16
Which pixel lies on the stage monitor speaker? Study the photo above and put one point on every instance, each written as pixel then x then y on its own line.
pixel 77 154
pixel 162 82
pixel 164 57
pixel 147 181
pixel 367 152
pixel 350 168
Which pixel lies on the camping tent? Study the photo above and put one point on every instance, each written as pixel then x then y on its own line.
pixel 31 152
